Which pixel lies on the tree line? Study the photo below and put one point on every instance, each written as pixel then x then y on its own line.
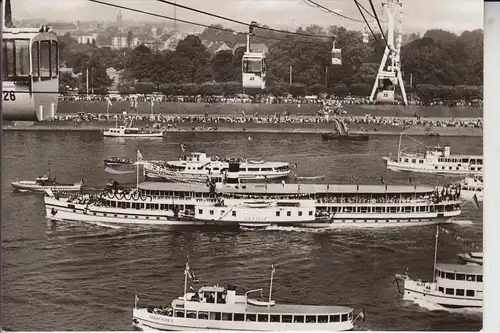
pixel 439 65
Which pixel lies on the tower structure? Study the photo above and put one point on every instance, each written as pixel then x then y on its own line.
pixel 389 73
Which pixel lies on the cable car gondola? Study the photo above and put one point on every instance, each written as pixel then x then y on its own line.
pixel 253 66
pixel 30 72
pixel 336 55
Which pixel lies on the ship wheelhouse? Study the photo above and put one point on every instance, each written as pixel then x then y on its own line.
pixel 459 280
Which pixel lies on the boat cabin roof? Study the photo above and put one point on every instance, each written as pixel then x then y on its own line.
pixel 457 268
pixel 287 188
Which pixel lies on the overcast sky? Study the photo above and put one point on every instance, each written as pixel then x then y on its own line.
pixel 418 16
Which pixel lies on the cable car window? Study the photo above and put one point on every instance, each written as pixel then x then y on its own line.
pixel 54 61
pixel 22 50
pixel 252 65
pixel 8 59
pixel 35 58
pixel 45 59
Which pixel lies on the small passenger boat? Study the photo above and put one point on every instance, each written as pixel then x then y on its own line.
pixel 117 161
pixel 42 183
pixel 471 257
pixel 221 308
pixel 344 137
pixel 127 131
pixel 452 286
pixel 435 160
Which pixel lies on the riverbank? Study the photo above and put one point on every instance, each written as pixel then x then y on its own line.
pixel 184 108
pixel 319 128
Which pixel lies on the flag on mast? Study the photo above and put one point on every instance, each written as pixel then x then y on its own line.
pixel 476 201
pixel 273 268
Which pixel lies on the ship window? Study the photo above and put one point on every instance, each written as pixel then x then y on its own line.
pixel 460 292
pixel 322 319
pixel 310 319
pixel 298 319
pixel 479 278
pixel 441 289
pixel 286 319
pixel 234 213
pixel 450 168
pixel 277 213
pixel 179 313
pixel 274 318
pixel 202 315
pixel 54 62
pixel 406 160
pixel 45 59
pixel 470 293
pixel 263 318
pixel 35 60
pixel 251 317
pixel 421 161
pixel 344 317
pixel 460 277
pixel 300 213
pixel 211 212
pixel 288 213
pixel 334 318
pixel 191 314
pixel 310 213
pixel 449 291
pixel 436 167
pixel 227 316
pixel 471 277
pixel 450 276
pixel 413 161
pixel 200 211
pixel 215 315
pixel 239 317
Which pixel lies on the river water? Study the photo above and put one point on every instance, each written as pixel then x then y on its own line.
pixel 77 276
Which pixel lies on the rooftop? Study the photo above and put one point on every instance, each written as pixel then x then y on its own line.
pixel 458 268
pixel 289 188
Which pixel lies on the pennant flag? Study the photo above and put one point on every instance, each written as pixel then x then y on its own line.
pixel 183 148
pixel 273 268
pixel 117 172
pixel 295 165
pixel 382 180
pixel 476 201
pixel 249 139
pixel 139 156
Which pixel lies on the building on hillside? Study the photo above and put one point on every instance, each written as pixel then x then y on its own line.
pixel 85 37
pixel 215 47
pixel 171 43
pixel 119 41
pixel 63 28
pixel 254 47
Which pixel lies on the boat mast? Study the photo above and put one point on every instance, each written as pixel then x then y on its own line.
pixel 185 278
pixel 435 255
pixel 271 285
pixel 49 169
pixel 399 146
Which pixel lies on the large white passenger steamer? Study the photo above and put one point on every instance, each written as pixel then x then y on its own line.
pixel 198 167
pixel 453 285
pixel 221 308
pixel 436 160
pixel 234 204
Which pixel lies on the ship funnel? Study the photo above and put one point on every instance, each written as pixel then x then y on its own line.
pixel 447 151
pixel 233 173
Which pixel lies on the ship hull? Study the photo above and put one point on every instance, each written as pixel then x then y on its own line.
pixel 23 187
pixel 62 210
pixel 431 169
pixel 138 135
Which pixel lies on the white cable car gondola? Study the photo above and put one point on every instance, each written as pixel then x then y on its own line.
pixel 253 66
pixel 336 55
pixel 365 35
pixel 30 71
pixel 386 92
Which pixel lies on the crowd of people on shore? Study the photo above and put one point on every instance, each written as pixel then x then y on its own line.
pixel 413 100
pixel 170 121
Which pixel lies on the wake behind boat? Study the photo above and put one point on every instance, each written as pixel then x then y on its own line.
pixel 344 137
pixel 221 308
pixel 42 183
